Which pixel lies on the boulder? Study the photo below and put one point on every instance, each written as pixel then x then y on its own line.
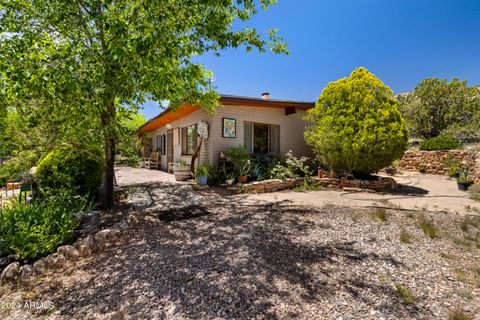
pixel 89 243
pixel 10 273
pixel 39 266
pixel 69 252
pixel 103 237
pixel 55 259
pixel 26 271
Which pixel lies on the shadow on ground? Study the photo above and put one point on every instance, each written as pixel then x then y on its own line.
pixel 238 264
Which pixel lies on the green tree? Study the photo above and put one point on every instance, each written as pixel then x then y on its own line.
pixel 437 104
pixel 79 61
pixel 356 126
pixel 130 144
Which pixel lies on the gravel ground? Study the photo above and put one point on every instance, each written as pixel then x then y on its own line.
pixel 271 262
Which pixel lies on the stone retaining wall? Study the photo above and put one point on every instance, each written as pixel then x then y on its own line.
pixel 433 162
pixel 333 183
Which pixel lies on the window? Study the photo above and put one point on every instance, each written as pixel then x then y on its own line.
pixel 261 138
pixel 189 139
pixel 160 143
pixel 150 144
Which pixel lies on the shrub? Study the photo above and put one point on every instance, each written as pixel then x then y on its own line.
pixel 202 170
pixel 356 126
pixel 291 167
pixel 440 143
pixel 69 168
pixel 239 157
pixel 474 191
pixel 16 167
pixel 34 230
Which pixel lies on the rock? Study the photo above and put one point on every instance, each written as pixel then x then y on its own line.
pixel 103 237
pixel 89 242
pixel 69 252
pixel 80 216
pixel 121 225
pixel 26 271
pixel 55 259
pixel 10 273
pixel 40 265
pixel 82 249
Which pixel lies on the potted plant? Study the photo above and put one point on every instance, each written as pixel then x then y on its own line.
pixel 241 162
pixel 422 168
pixel 255 172
pixel 243 172
pixel 230 179
pixel 181 171
pixel 463 181
pixel 201 174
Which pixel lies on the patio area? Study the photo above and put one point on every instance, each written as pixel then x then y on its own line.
pixel 129 176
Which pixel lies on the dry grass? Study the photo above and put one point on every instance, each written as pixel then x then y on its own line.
pixel 405 237
pixel 428 227
pixel 406 295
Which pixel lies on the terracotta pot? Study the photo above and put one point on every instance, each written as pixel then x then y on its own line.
pixel 242 179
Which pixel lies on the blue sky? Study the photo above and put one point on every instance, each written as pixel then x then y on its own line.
pixel 400 41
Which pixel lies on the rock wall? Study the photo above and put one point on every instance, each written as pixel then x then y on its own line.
pixel 434 162
pixel 333 183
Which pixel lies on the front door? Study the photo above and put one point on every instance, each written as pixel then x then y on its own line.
pixel 169 146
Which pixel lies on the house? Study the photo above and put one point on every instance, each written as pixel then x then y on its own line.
pixel 263 125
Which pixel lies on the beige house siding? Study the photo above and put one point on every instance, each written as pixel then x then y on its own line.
pixel 292 128
pixel 188 120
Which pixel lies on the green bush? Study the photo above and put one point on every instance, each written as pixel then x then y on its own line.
pixel 474 191
pixel 34 230
pixel 239 157
pixel 202 170
pixel 356 126
pixel 291 167
pixel 15 168
pixel 69 168
pixel 440 143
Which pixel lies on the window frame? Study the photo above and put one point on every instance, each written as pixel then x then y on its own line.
pixel 251 151
pixel 184 142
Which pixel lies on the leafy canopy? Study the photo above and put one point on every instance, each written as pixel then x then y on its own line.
pixel 76 63
pixel 356 126
pixel 437 105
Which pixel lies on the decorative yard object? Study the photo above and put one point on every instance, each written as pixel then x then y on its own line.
pixel 181 171
pixel 356 127
pixel 202 130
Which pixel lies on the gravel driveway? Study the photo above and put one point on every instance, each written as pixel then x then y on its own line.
pixel 271 262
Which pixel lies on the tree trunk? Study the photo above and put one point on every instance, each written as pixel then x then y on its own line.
pixel 108 118
pixel 195 155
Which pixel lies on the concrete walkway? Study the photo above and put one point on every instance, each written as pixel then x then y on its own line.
pixel 129 176
pixel 157 190
pixel 417 191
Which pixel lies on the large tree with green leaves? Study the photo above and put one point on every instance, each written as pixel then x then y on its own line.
pixel 355 126
pixel 81 61
pixel 437 104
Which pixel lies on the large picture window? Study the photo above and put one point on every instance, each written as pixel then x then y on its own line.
pixel 189 139
pixel 260 138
